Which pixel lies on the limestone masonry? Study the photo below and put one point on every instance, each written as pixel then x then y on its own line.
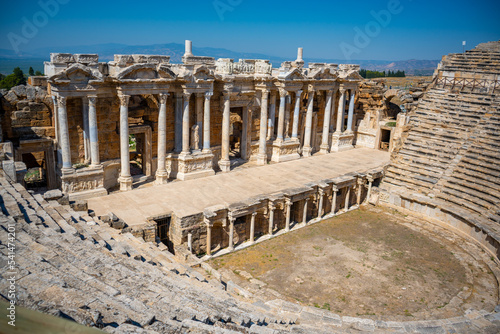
pixel 237 152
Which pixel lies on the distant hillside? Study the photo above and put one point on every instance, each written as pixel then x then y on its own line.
pixel 35 58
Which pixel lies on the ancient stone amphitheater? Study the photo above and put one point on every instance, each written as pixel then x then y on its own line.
pixel 445 169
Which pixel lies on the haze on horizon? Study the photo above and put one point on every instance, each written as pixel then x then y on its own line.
pixel 378 30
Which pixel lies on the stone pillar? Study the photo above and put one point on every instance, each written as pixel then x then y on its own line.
pixel 307 149
pixel 296 115
pixel 94 141
pixel 304 214
pixel 185 124
pixel 326 123
pixel 64 133
pixel 281 115
pixel 125 179
pixel 271 218
pixel 224 163
pixel 321 194
pixel 262 156
pixel 209 236
pixel 360 183
pixel 350 115
pixel 206 123
pixel 370 183
pixel 199 118
pixel 252 228
pixel 188 49
pixel 334 199
pixel 288 203
pixel 161 172
pixel 178 122
pixel 231 232
pixel 340 113
pixel 348 195
pixel 86 140
pixel 272 116
pixel 56 120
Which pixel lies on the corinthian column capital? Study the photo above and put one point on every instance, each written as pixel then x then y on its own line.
pixel 124 99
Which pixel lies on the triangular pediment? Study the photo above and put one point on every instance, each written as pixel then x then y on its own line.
pixel 139 71
pixel 294 74
pixel 78 73
pixel 324 74
pixel 203 73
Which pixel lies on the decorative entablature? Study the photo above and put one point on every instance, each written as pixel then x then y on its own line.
pixel 196 78
pixel 290 78
pixel 245 68
pixel 77 79
pixel 349 73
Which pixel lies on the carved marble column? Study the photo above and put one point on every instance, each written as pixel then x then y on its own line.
pixel 272 207
pixel 324 148
pixel 350 115
pixel 93 135
pixel 307 149
pixel 288 204
pixel 334 199
pixel 185 124
pixel 125 179
pixel 340 114
pixel 252 228
pixel 86 139
pixel 64 133
pixel 206 123
pixel 56 120
pixel 321 194
pixel 272 116
pixel 231 232
pixel 224 163
pixel 370 183
pixel 161 172
pixel 347 197
pixel 281 115
pixel 304 214
pixel 360 183
pixel 199 117
pixel 296 115
pixel 262 156
pixel 178 122
pixel 209 236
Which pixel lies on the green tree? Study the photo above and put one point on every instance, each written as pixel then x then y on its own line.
pixel 38 73
pixel 31 72
pixel 15 79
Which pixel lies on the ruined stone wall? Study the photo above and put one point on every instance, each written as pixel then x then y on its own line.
pixel 108 120
pixel 74 107
pixel 27 113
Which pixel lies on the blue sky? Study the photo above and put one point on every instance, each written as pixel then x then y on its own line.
pixel 326 29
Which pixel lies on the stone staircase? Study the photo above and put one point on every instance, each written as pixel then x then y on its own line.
pixel 70 265
pixel 451 156
pixel 441 126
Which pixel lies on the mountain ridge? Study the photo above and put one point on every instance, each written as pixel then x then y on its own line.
pixel 176 50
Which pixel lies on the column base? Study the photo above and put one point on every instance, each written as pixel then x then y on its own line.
pixel 190 166
pixel 285 150
pixel 225 165
pixel 161 177
pixel 83 183
pixel 306 152
pixel 324 149
pixel 261 159
pixel 342 141
pixel 125 183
